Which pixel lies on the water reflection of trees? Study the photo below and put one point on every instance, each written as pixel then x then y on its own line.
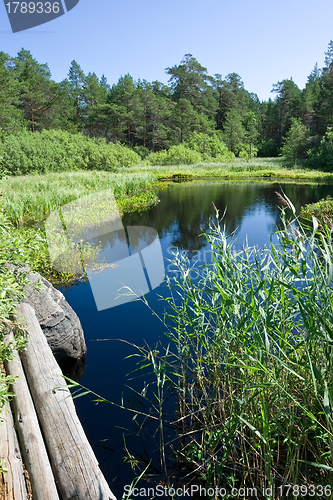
pixel 185 209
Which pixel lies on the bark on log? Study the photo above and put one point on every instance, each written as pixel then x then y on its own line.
pixel 10 452
pixel 33 448
pixel 73 462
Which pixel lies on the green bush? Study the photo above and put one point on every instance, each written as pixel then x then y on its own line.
pixel 322 210
pixel 267 148
pixel 176 155
pixel 209 146
pixel 12 283
pixel 57 151
pixel 246 151
pixel 322 158
pixel 142 151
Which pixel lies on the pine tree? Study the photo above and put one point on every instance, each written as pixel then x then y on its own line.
pixel 11 118
pixel 38 93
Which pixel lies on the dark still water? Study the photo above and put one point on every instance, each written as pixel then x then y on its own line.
pixel 181 216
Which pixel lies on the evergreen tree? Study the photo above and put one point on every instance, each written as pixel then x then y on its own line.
pixel 124 100
pixel 11 119
pixel 154 116
pixel 37 91
pixel 186 119
pixel 311 99
pixel 289 101
pixel 76 80
pixel 233 131
pixel 189 80
pixel 94 98
pixel 251 134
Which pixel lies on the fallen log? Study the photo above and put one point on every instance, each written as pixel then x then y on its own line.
pixel 10 457
pixel 32 444
pixel 73 462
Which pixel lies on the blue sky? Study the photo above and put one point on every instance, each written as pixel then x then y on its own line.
pixel 264 41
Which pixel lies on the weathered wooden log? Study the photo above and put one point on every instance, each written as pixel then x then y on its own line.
pixel 73 462
pixel 10 453
pixel 32 444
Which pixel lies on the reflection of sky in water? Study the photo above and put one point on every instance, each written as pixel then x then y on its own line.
pixel 257 225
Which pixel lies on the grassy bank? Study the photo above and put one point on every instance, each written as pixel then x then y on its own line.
pixel 322 210
pixel 31 198
pixel 255 168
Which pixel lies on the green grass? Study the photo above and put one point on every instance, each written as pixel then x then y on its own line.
pixel 255 168
pixel 32 198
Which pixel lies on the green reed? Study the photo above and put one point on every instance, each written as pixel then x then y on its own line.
pixel 253 359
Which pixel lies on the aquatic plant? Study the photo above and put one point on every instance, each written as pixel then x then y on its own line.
pixel 251 362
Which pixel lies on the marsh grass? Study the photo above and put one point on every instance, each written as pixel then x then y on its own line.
pixel 255 168
pixel 31 198
pixel 252 362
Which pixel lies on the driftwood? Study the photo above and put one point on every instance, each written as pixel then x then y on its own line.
pixel 13 479
pixel 33 448
pixel 73 462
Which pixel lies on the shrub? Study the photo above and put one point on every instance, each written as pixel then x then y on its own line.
pixel 267 148
pixel 322 210
pixel 209 146
pixel 176 155
pixel 57 151
pixel 246 151
pixel 142 151
pixel 322 158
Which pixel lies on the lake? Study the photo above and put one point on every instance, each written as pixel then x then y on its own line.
pixel 180 218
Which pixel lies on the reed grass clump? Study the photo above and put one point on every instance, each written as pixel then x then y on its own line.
pixel 252 362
